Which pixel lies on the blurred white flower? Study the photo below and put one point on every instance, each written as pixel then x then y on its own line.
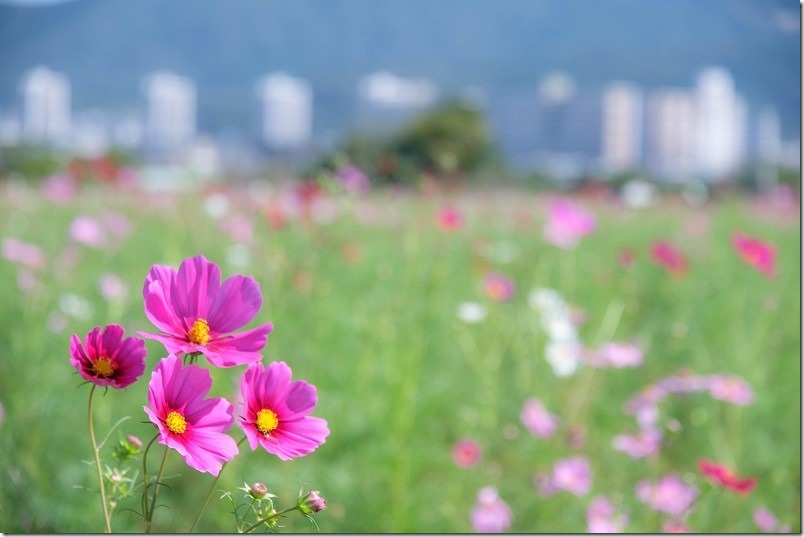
pixel 216 205
pixel 75 306
pixel 238 255
pixel 471 312
pixel 563 357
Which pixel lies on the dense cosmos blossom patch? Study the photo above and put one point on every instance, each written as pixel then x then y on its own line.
pixel 198 314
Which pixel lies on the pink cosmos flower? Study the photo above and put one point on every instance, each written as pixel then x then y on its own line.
pixel 644 444
pixel 466 453
pixel 238 227
pixel 198 315
pixel 275 412
pixel 87 231
pixel 725 477
pixel 58 189
pixel 112 287
pixel 767 522
pixel 24 253
pixel 601 517
pixel 669 258
pixel 353 179
pixel 670 495
pixel 498 287
pixel 758 254
pixel 573 475
pixel 107 359
pixel 617 355
pixel 491 514
pixel 537 419
pixel 731 389
pixel 449 220
pixel 117 224
pixel 675 526
pixel 567 223
pixel 187 422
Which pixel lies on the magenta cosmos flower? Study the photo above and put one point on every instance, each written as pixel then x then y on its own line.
pixel 198 315
pixel 758 254
pixel 276 412
pixel 187 422
pixel 568 223
pixel 106 358
pixel 498 287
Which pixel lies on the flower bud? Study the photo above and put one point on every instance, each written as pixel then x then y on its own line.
pixel 312 503
pixel 134 441
pixel 258 490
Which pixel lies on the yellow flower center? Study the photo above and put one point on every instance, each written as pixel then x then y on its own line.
pixel 103 367
pixel 266 421
pixel 199 333
pixel 176 423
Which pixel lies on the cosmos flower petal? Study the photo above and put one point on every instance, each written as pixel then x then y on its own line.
pixel 236 304
pixel 237 349
pixel 197 284
pixel 160 312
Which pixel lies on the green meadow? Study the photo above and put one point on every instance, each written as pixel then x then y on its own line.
pixel 363 295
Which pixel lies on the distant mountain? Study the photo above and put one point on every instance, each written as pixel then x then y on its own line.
pixel 107 46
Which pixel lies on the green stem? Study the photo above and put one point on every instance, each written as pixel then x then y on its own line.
pixel 145 478
pixel 211 489
pixel 268 518
pixel 156 492
pixel 96 453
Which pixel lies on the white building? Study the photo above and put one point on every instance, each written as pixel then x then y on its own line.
pixel 46 107
pixel 170 122
pixel 621 129
pixel 386 101
pixel 720 124
pixel 287 112
pixel 671 134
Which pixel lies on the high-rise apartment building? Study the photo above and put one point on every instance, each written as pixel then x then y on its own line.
pixel 170 121
pixel 287 112
pixel 46 107
pixel 621 129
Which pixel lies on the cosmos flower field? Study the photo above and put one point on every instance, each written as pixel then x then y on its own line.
pixel 485 359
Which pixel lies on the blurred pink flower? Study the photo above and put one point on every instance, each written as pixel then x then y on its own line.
pixel 466 453
pixel 621 354
pixel 731 389
pixel 573 475
pixel 760 255
pixel 24 253
pixel 674 526
pixel 767 522
pixel 238 227
pixel 725 477
pixel 626 258
pixel 449 219
pixel 491 514
pixel 601 517
pixel 544 484
pixel 187 422
pixel 353 179
pixel 670 495
pixel 26 280
pixel 112 287
pixel 567 223
pixel 58 189
pixel 498 287
pixel 87 230
pixel 276 412
pixel 644 444
pixel 197 313
pixel 537 419
pixel 105 358
pixel 669 257
pixel 116 224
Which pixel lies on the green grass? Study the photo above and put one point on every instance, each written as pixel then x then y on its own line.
pixel 365 310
